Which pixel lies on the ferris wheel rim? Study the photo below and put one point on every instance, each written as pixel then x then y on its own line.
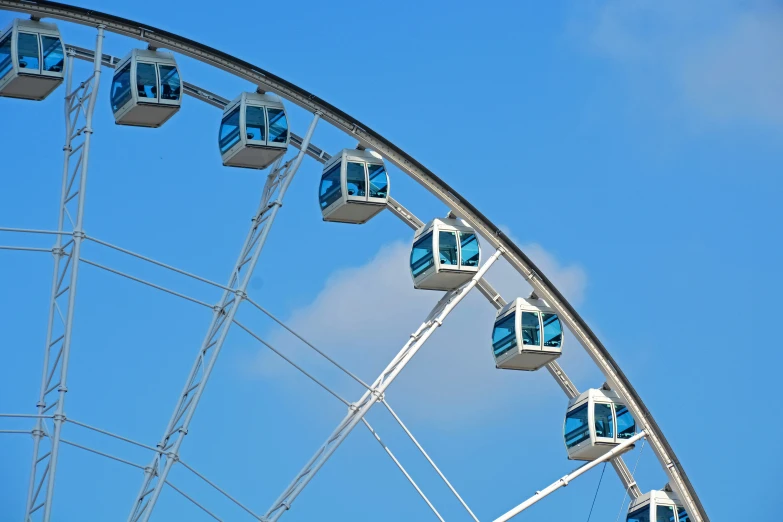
pixel 416 170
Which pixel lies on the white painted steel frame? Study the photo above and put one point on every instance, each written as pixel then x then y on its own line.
pixel 563 482
pixel 461 207
pixel 359 409
pixel 79 108
pixel 155 474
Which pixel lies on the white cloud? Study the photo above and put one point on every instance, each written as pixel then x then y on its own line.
pixel 720 59
pixel 364 315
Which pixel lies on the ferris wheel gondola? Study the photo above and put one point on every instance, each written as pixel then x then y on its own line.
pixel 32 61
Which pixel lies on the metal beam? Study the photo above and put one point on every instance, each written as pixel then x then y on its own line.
pixel 79 109
pixel 358 410
pixel 156 473
pixel 563 482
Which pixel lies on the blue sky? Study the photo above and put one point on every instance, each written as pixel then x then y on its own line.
pixel 631 148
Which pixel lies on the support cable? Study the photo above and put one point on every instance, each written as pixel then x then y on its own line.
pixel 158 263
pixel 35 231
pixel 26 249
pixel 432 463
pixel 407 476
pixel 622 503
pixel 600 479
pixel 292 363
pixel 142 281
pixel 205 510
pixel 133 464
pixel 564 481
pixel 114 435
pixel 281 323
pixel 232 499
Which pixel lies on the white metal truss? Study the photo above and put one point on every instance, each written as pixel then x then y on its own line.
pixel 222 318
pixel 359 409
pixel 79 108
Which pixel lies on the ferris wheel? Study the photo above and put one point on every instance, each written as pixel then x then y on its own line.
pixel 146 89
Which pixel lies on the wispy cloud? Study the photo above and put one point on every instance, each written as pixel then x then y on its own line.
pixel 720 59
pixel 364 315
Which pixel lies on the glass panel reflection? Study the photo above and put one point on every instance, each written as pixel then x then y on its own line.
pixel 530 329
pixel 379 181
pixel 421 255
pixel 355 179
pixel 665 514
pixel 682 515
pixel 602 418
pixel 553 330
pixel 6 64
pixel 278 126
pixel 229 131
pixel 447 247
pixel 330 190
pixel 640 515
pixel 255 123
pixel 170 85
pixel 27 51
pixel 53 56
pixel 576 427
pixel 146 81
pixel 626 427
pixel 469 249
pixel 504 336
pixel 121 88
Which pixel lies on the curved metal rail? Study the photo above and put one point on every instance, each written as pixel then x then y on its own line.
pixel 439 188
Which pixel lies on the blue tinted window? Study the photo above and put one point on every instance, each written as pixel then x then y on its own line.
pixel 530 329
pixel 602 418
pixel 447 248
pixel 665 514
pixel 53 56
pixel 576 427
pixel 355 179
pixel 5 56
pixel 682 515
pixel 379 181
pixel 469 249
pixel 27 51
pixel 626 427
pixel 330 190
pixel 640 515
pixel 121 88
pixel 146 81
pixel 504 336
pixel 255 123
pixel 229 131
pixel 421 255
pixel 170 85
pixel 278 126
pixel 553 330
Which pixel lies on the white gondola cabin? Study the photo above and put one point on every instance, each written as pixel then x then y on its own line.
pixel 146 90
pixel 527 335
pixel 254 131
pixel 596 421
pixel 657 506
pixel 32 60
pixel 445 255
pixel 354 186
